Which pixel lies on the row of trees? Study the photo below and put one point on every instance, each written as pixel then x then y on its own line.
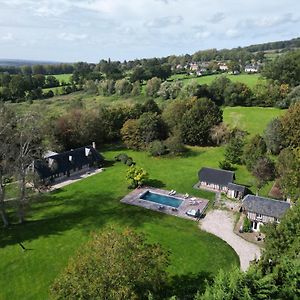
pixel 222 91
pixel 38 69
pixel 182 122
pixel 19 87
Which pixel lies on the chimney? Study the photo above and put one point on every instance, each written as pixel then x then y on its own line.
pixel 94 145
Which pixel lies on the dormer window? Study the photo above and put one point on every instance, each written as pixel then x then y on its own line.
pixel 87 152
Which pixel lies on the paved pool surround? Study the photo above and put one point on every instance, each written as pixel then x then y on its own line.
pixel 133 198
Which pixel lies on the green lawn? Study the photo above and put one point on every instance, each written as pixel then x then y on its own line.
pixel 63 77
pixel 249 79
pixel 252 119
pixel 62 221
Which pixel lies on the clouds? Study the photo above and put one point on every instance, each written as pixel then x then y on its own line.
pixel 72 37
pixel 138 28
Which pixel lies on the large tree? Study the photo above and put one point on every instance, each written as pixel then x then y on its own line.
pixel 234 151
pixel 290 124
pixel 274 136
pixel 113 265
pixel 264 171
pixel 27 146
pixel 253 150
pixel 288 168
pixel 198 120
pixel 7 124
pixel 285 68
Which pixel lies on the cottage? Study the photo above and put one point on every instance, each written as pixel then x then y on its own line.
pixel 223 67
pixel 260 210
pixel 251 68
pixel 215 179
pixel 62 165
pixel 236 191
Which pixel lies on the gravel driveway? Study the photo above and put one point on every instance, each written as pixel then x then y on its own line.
pixel 221 223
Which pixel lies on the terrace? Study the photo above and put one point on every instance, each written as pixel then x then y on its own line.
pixel 188 203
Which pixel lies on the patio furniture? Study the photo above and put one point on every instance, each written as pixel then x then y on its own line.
pixel 191 213
pixel 186 196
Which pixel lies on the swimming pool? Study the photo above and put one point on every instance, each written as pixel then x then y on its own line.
pixel 161 199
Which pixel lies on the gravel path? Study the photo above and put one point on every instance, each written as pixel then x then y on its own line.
pixel 221 223
pixel 74 178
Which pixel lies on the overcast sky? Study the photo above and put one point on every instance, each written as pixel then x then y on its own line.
pixel 88 30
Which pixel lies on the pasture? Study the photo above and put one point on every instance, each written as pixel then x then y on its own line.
pixel 63 77
pixel 249 79
pixel 252 119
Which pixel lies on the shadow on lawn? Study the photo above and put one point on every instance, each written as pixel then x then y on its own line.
pixel 186 286
pixel 87 213
pixel 155 183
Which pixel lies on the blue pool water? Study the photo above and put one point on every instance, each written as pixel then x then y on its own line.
pixel 161 199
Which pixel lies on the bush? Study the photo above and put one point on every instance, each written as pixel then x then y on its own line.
pixel 247 225
pixel 225 165
pixel 175 145
pixel 125 159
pixel 122 157
pixel 130 162
pixel 157 148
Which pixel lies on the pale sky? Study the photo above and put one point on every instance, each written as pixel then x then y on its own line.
pixel 89 30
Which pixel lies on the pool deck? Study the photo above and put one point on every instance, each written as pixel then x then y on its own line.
pixel 191 202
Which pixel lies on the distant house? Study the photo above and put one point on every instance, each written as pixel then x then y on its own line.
pixel 220 181
pixel 62 165
pixel 260 210
pixel 194 66
pixel 251 69
pixel 223 67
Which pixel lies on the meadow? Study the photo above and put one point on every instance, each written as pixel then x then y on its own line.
pixel 249 79
pixel 252 119
pixel 63 77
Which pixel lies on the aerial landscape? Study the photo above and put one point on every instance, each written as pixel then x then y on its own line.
pixel 149 150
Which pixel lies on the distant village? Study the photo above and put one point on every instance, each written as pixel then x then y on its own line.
pixel 211 67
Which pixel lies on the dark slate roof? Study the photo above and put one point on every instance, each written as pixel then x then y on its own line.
pixel 265 206
pixel 62 162
pixel 237 187
pixel 216 176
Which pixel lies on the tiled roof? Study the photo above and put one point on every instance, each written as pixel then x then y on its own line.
pixel 216 176
pixel 237 187
pixel 66 161
pixel 265 206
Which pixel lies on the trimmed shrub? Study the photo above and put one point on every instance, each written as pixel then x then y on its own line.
pixel 122 157
pixel 247 225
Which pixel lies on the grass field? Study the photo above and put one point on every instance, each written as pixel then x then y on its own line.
pixel 62 221
pixel 63 77
pixel 249 79
pixel 252 119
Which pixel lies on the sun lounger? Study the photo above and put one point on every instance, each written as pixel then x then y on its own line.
pixel 173 193
pixel 191 213
pixel 186 196
pixel 161 207
pixel 170 193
